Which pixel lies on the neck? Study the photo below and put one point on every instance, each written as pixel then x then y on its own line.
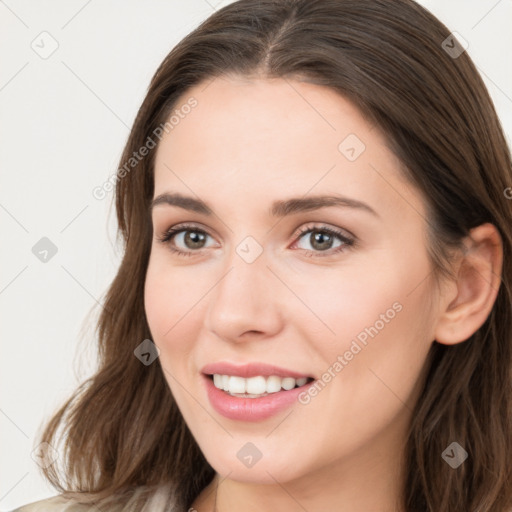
pixel 365 481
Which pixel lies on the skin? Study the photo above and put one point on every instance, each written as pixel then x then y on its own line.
pixel 247 143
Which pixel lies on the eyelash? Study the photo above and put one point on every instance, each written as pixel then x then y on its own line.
pixel 169 234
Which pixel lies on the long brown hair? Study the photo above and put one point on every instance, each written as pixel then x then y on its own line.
pixel 124 435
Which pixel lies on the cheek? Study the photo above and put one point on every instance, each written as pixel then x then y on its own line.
pixel 376 381
pixel 377 313
pixel 383 330
pixel 338 305
pixel 174 300
pixel 166 313
pixel 168 295
pixel 157 303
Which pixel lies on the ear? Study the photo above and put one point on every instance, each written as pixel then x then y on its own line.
pixel 469 300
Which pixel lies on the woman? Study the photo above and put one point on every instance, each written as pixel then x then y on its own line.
pixel 313 310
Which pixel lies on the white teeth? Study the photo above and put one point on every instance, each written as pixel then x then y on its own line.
pixel 236 384
pixel 218 381
pixel 254 387
pixel 273 384
pixel 288 383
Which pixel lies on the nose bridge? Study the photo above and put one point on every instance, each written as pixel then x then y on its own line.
pixel 245 298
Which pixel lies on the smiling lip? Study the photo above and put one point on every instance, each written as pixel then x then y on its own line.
pixel 250 370
pixel 250 409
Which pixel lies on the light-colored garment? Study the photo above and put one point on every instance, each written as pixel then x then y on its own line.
pixel 55 504
pixel 161 501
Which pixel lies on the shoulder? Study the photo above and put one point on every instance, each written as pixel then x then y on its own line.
pixel 55 504
pixel 159 499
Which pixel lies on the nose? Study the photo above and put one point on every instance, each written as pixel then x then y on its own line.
pixel 245 303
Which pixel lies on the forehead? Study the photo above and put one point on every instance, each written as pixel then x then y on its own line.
pixel 278 137
pixel 238 112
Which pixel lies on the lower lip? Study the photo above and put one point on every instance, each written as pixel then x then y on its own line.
pixel 251 409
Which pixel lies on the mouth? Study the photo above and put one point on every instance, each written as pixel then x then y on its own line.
pixel 252 392
pixel 258 386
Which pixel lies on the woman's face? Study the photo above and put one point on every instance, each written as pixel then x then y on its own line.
pixel 263 281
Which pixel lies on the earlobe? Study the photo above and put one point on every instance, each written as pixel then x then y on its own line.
pixel 477 285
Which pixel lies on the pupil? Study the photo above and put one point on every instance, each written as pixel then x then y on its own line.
pixel 195 238
pixel 319 237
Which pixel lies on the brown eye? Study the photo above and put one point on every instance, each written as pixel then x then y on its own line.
pixel 194 239
pixel 322 238
pixel 184 240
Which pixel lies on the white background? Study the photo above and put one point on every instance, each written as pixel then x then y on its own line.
pixel 65 120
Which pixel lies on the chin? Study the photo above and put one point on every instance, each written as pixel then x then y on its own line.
pixel 266 470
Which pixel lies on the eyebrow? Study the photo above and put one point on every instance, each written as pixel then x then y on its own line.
pixel 280 208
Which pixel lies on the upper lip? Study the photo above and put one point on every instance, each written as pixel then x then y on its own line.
pixel 250 370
